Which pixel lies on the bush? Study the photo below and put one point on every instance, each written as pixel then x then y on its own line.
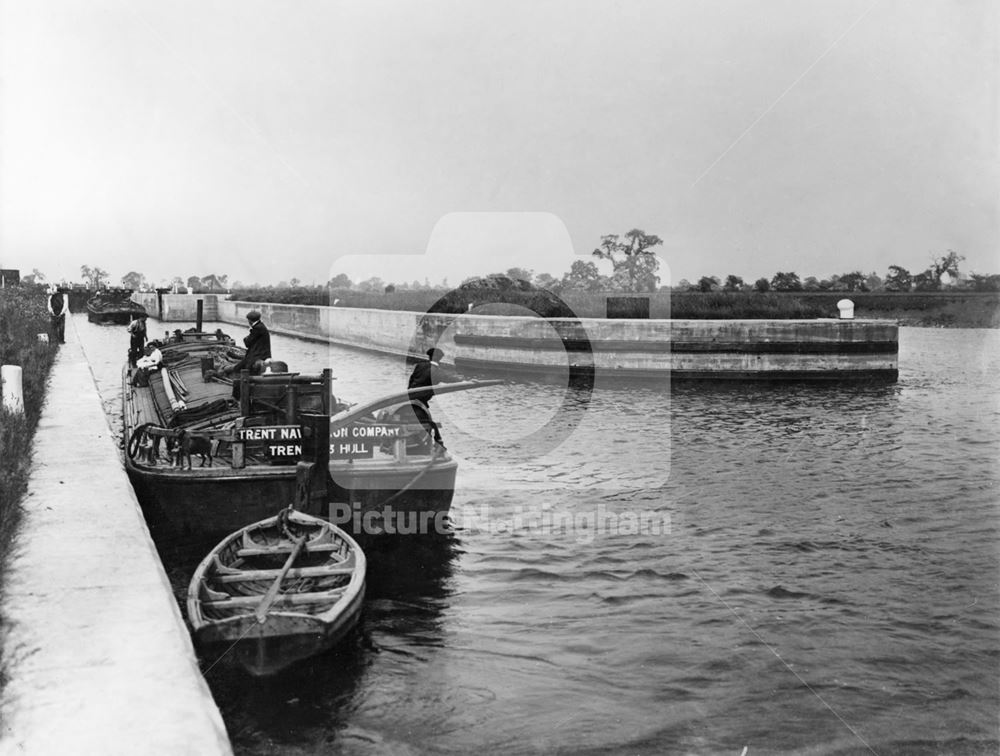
pixel 23 316
pixel 971 308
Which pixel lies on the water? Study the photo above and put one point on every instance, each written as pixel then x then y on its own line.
pixel 828 583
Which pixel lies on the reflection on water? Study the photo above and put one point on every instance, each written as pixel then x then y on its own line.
pixel 826 580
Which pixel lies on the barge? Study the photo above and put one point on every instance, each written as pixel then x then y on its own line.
pixel 208 455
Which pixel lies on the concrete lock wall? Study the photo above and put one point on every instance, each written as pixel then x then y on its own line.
pixel 178 308
pixel 701 349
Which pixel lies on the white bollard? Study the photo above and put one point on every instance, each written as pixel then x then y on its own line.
pixel 13 392
pixel 846 307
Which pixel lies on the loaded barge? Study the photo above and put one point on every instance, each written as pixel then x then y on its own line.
pixel 207 454
pixel 113 307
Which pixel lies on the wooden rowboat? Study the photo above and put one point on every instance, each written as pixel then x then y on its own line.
pixel 277 591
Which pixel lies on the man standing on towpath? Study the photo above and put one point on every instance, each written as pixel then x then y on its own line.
pixel 58 304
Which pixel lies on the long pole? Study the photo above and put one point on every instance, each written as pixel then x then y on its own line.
pixel 272 592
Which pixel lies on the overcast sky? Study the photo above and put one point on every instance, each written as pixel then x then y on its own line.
pixel 272 140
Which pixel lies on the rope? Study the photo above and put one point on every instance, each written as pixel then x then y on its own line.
pixel 412 483
pixel 132 447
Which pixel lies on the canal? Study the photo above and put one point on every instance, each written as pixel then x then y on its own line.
pixel 648 569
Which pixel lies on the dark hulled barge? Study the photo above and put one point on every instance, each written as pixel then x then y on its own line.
pixel 207 455
pixel 113 307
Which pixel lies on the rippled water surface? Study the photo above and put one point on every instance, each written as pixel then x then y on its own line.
pixel 646 570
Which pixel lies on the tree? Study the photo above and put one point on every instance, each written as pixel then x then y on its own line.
pixel 762 285
pixel 733 283
pixel 926 281
pixel 194 282
pixel 811 284
pixel 213 282
pixel 133 280
pixel 854 281
pixel 34 277
pixel 519 274
pixel 786 282
pixel 94 277
pixel 547 281
pixel 980 282
pixel 898 279
pixel 294 283
pixel 634 265
pixel 708 283
pixel 582 276
pixel 372 284
pixel 340 281
pixel 947 264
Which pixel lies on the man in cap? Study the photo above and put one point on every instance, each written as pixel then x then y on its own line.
pixel 424 376
pixel 137 338
pixel 258 344
pixel 58 304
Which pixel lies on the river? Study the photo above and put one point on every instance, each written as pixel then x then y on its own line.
pixel 648 569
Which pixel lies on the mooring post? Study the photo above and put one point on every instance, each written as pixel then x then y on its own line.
pixel 13 393
pixel 313 469
pixel 200 304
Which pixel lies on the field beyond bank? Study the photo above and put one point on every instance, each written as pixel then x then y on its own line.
pixel 953 309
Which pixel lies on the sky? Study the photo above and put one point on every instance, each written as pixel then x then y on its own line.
pixel 439 139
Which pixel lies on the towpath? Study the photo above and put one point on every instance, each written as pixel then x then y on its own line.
pixel 98 658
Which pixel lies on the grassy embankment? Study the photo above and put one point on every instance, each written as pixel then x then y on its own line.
pixel 961 309
pixel 23 316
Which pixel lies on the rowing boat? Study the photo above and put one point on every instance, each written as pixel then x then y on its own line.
pixel 277 591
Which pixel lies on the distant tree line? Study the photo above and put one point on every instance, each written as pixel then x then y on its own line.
pixel 634 269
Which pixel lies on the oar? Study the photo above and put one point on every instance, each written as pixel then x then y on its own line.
pixel 272 592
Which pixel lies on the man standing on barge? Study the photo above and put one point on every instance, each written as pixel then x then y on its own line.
pixel 423 376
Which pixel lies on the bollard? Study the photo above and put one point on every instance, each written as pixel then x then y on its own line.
pixel 846 307
pixel 13 394
pixel 44 338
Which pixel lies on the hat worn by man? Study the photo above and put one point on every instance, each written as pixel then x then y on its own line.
pixel 253 315
pixel 435 354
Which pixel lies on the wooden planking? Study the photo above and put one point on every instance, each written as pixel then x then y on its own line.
pixel 287 599
pixel 284 549
pixel 295 572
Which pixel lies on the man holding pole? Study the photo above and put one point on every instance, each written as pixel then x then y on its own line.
pixel 424 376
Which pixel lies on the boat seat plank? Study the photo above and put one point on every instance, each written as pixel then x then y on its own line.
pixel 284 549
pixel 287 599
pixel 242 576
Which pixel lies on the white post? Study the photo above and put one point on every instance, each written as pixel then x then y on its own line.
pixel 13 394
pixel 846 307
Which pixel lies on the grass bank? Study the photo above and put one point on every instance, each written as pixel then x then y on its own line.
pixel 23 316
pixel 959 309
